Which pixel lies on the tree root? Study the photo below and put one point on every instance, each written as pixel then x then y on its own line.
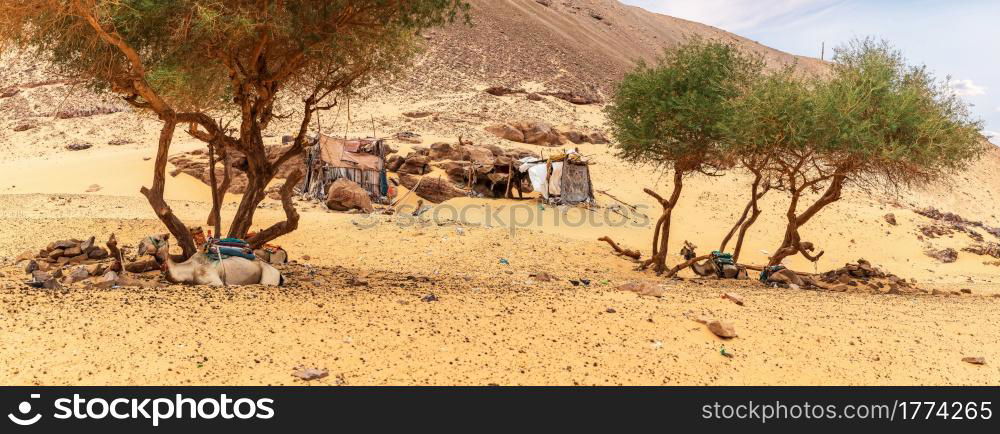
pixel 634 254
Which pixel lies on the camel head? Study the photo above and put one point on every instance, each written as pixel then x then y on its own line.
pixel 688 251
pixel 156 246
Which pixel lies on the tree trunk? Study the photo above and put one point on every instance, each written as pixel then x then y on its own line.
pixel 213 217
pixel 659 259
pixel 155 194
pixel 259 174
pixel 291 215
pixel 218 190
pixel 751 211
pixel 792 243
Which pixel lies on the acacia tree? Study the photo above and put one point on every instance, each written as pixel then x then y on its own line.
pixel 185 60
pixel 672 116
pixel 876 122
pixel 772 117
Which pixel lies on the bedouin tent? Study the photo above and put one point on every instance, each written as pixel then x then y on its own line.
pixel 361 161
pixel 560 179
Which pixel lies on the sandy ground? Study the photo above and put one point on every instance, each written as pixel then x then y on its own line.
pixel 492 323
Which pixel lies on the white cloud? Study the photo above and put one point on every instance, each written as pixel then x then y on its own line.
pixel 737 15
pixel 966 88
pixel 993 136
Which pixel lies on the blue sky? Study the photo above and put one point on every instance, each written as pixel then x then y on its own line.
pixel 960 38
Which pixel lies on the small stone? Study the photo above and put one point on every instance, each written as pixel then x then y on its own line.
pixel 975 360
pixel 26 256
pixel 610 310
pixel 650 288
pixel 429 298
pixel 722 329
pixel 78 274
pixel 966 291
pixel 309 374
pixel 78 146
pixel 28 266
pixel 543 277
pixel 733 297
pixel 890 218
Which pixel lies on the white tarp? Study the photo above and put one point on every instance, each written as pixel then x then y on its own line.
pixel 537 175
pixel 555 181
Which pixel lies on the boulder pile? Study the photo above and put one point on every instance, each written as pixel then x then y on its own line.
pixel 863 275
pixel 65 262
pixel 468 167
pixel 543 134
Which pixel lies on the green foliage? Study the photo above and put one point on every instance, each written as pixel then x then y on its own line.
pixel 878 117
pixel 675 113
pixel 190 48
pixel 777 114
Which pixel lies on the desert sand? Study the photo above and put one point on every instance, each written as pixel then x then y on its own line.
pixel 492 321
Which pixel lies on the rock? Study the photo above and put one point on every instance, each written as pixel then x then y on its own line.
pixel 309 374
pixel 431 189
pixel 97 253
pixel 733 297
pixel 78 274
pixel 597 138
pixel 394 163
pixel 645 287
pixel 429 298
pixel 72 251
pixel 543 277
pixel 28 266
pixel 540 133
pixel 938 292
pixel 966 291
pixel 409 137
pixel 40 276
pixel 87 245
pixel 24 126
pixel 357 281
pixel 93 188
pixel 415 165
pixel 975 360
pixel 447 151
pixel 946 256
pixel 344 195
pixel 95 269
pixel 574 136
pixel 534 96
pixel 78 146
pixel 26 255
pixel 785 277
pixel 890 218
pixel 54 254
pixel 507 132
pixel 722 329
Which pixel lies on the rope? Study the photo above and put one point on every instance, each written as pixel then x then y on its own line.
pixel 223 264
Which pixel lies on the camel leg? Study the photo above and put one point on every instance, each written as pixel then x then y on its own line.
pixel 269 275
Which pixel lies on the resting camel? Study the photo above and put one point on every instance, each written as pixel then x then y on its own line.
pixel 201 270
pixel 707 267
